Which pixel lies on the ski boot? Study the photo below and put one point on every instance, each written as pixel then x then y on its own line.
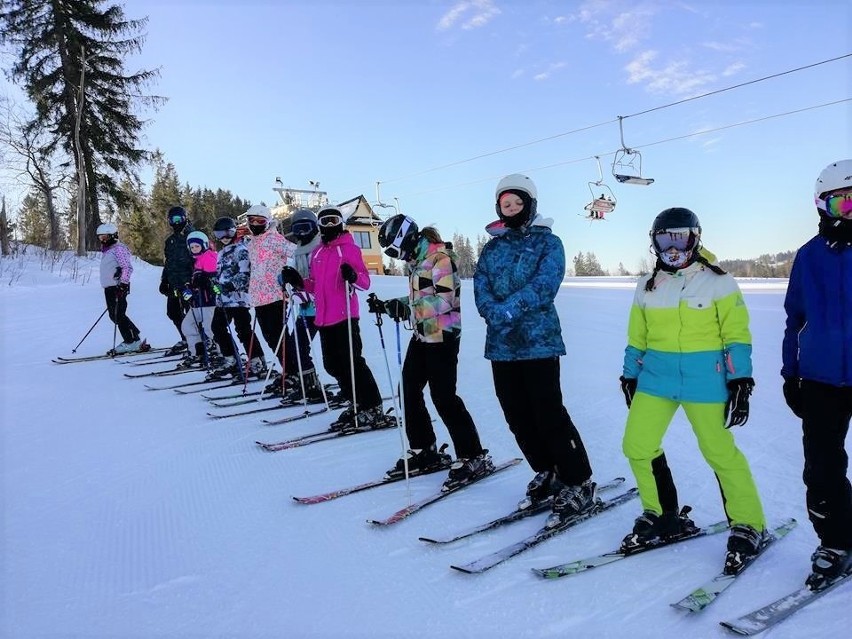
pixel 573 501
pixel 828 565
pixel 464 471
pixel 226 370
pixel 420 462
pixel 651 529
pixel 744 544
pixel 543 487
pixel 369 419
pixel 257 368
pixel 177 349
pixel 128 347
pixel 345 420
pixel 293 389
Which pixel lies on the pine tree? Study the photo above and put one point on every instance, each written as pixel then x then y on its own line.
pixel 33 224
pixel 57 44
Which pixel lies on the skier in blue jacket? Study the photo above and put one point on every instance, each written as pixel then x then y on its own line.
pixel 517 277
pixel 817 369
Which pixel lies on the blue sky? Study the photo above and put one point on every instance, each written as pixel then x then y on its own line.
pixel 350 93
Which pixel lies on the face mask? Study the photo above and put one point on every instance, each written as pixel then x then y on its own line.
pixel 178 227
pixel 257 229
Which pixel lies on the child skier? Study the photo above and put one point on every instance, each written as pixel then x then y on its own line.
pixel 817 369
pixel 116 269
pixel 433 353
pixel 177 269
pixel 200 294
pixel 517 277
pixel 689 345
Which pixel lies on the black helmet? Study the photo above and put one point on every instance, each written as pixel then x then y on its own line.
pixel 224 227
pixel 176 215
pixel 679 229
pixel 398 236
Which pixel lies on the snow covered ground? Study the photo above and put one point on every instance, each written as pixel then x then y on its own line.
pixel 129 513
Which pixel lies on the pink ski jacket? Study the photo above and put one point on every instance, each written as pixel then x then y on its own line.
pixel 326 281
pixel 268 254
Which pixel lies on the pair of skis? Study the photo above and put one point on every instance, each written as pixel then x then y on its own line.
pixel 321 436
pixel 110 355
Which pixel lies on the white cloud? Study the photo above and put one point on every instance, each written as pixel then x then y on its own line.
pixel 544 75
pixel 468 14
pixel 674 78
pixel 733 69
pixel 625 29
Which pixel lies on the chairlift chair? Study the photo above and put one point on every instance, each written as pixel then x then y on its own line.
pixel 627 163
pixel 603 203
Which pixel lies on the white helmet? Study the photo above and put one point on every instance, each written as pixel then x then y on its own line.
pixel 107 228
pixel 259 210
pixel 198 237
pixel 516 182
pixel 837 175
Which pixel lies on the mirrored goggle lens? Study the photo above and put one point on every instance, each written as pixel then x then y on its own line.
pixel 305 227
pixel 330 220
pixel 257 221
pixel 680 239
pixel 839 205
pixel 226 233
pixel 176 219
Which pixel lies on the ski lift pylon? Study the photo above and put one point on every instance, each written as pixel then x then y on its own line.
pixel 603 203
pixel 627 162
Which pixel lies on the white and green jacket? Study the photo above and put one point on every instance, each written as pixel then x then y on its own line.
pixel 688 336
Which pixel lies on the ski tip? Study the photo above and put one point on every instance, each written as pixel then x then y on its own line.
pixel 735 629
pixel 463 569
pixel 429 540
pixel 684 607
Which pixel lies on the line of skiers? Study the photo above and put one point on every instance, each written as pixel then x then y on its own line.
pixel 688 345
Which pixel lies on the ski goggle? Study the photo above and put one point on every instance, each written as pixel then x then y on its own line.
pixel 394 249
pixel 838 205
pixel 226 233
pixel 330 220
pixel 257 221
pixel 682 239
pixel 303 227
pixel 177 219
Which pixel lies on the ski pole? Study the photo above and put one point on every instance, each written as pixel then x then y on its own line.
pixel 295 306
pixel 248 355
pixel 351 350
pixel 397 400
pixel 74 350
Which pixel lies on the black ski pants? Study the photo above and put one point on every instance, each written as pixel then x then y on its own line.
pixel 176 310
pixel 826 411
pixel 436 364
pixel 335 358
pixel 241 317
pixel 270 317
pixel 531 398
pixel 117 309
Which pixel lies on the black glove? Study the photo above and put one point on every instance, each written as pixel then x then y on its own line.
pixel 291 276
pixel 736 408
pixel 122 289
pixel 165 289
pixel 375 305
pixel 793 395
pixel 397 310
pixel 348 273
pixel 628 387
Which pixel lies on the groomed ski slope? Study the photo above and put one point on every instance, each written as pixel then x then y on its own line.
pixel 128 513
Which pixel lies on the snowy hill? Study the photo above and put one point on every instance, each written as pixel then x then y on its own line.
pixel 128 512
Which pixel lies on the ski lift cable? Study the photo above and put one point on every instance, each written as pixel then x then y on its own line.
pixel 632 115
pixel 641 146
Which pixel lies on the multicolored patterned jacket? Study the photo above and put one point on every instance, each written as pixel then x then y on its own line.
pixel 269 252
pixel 326 282
pixel 233 270
pixel 114 257
pixel 435 296
pixel 689 335
pixel 517 277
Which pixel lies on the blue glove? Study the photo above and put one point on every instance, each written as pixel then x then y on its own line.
pixel 186 293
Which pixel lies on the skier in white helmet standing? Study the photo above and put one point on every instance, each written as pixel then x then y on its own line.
pixel 817 370
pixel 116 268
